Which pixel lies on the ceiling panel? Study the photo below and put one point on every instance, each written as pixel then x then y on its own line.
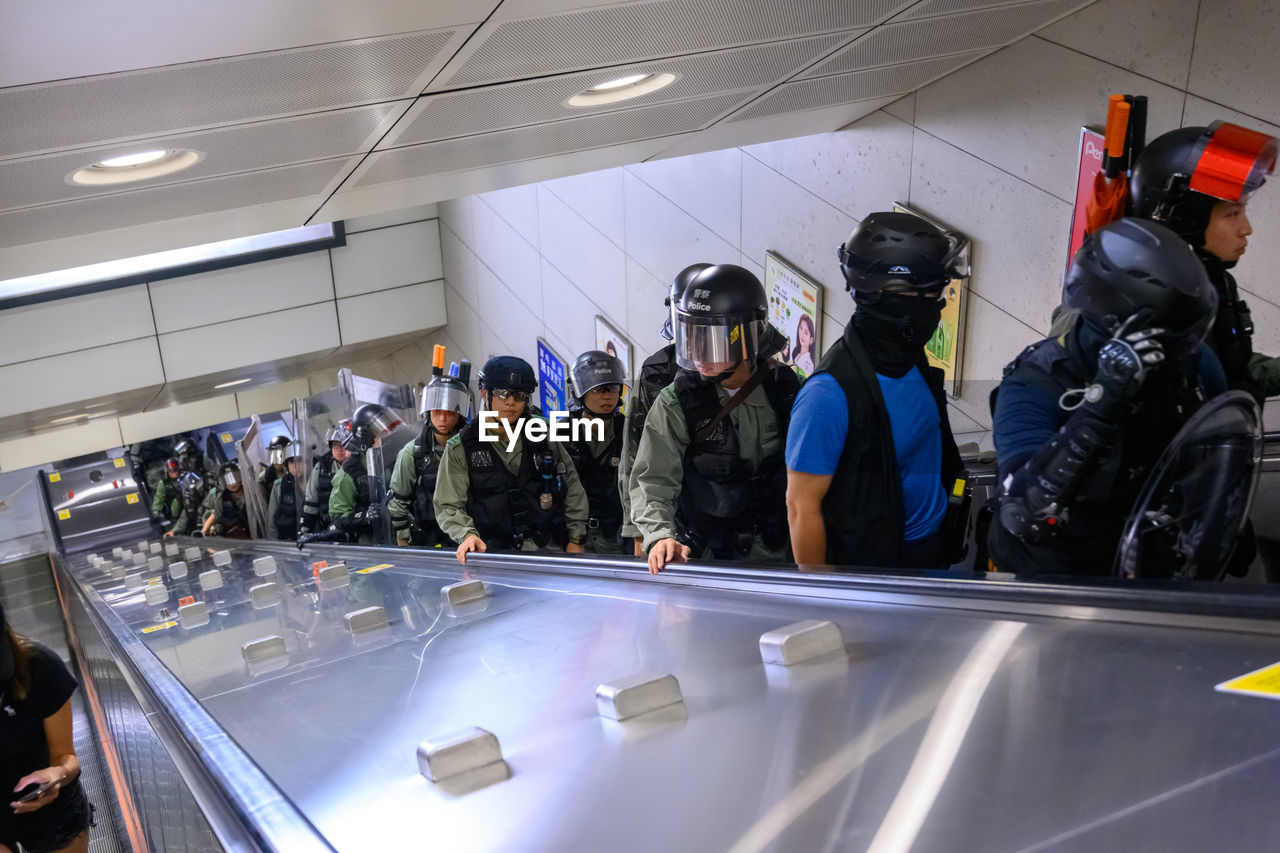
pixel 243 148
pixel 156 101
pixel 529 102
pixel 612 35
pixel 854 86
pixel 70 218
pixel 930 8
pixel 913 40
pixel 110 405
pixel 544 140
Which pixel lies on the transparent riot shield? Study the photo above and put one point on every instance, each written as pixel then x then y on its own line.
pixel 252 458
pixel 1195 504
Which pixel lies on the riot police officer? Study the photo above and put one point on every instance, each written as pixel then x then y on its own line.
pixel 709 474
pixel 1081 419
pixel 315 506
pixel 282 506
pixel 228 516
pixel 1197 181
pixel 356 502
pixel 446 407
pixel 598 380
pixel 870 455
pixel 166 506
pixel 656 372
pixel 493 494
pixel 277 452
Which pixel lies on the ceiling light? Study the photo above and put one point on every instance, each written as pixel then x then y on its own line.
pixel 235 382
pixel 621 89
pixel 139 166
pixel 69 418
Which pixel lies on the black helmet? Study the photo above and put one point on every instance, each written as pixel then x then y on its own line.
pixel 369 423
pixel 1182 174
pixel 229 474
pixel 1133 265
pixel 899 250
pixel 172 466
pixel 186 447
pixel 678 285
pixel 719 317
pixel 277 450
pixel 509 372
pixel 595 368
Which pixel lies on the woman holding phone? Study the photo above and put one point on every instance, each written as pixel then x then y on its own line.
pixel 46 810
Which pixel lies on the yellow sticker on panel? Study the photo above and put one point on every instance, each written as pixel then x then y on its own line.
pixel 150 629
pixel 373 569
pixel 55 477
pixel 1263 682
pixel 64 514
pixel 226 438
pixel 119 463
pixel 132 498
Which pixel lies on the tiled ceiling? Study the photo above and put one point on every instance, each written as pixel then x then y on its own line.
pixel 371 108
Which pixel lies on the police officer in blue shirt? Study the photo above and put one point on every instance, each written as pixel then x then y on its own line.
pixel 870 456
pixel 1080 419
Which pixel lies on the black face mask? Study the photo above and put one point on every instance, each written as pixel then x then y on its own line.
pixel 895 328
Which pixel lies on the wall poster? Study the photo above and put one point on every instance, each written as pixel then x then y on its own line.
pixel 795 309
pixel 946 348
pixel 552 371
pixel 612 341
pixel 1091 149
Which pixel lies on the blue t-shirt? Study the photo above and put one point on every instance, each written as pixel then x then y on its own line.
pixel 820 424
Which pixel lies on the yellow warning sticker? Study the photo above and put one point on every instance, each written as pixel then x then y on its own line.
pixel 226 438
pixel 64 514
pixel 373 569
pixel 119 463
pixel 55 477
pixel 151 629
pixel 1263 682
pixel 132 497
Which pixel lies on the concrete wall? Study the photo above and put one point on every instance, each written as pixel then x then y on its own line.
pixel 990 150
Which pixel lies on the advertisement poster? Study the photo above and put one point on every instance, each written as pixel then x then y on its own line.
pixel 551 373
pixel 611 341
pixel 946 348
pixel 1091 143
pixel 795 309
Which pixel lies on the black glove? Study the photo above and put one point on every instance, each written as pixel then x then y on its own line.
pixel 1123 363
pixel 373 514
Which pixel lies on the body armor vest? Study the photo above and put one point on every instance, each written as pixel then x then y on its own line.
pixel 286 520
pixel 1231 337
pixel 599 477
pixel 722 506
pixel 324 483
pixel 657 372
pixel 233 517
pixel 507 508
pixel 423 529
pixel 354 466
pixel 172 495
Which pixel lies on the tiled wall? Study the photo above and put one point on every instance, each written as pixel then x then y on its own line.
pixel 990 150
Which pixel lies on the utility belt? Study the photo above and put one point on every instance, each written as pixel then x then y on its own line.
pixel 728 539
pixel 955 522
pixel 608 528
pixel 429 536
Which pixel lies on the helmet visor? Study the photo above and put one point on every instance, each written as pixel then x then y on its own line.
pixel 713 349
pixel 1233 162
pixel 231 477
pixel 383 423
pixel 276 454
pixel 443 396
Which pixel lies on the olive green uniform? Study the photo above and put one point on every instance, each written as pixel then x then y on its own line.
pixel 167 503
pixel 342 502
pixel 658 472
pixel 311 507
pixel 454 481
pixel 273 506
pixel 404 481
pixel 220 529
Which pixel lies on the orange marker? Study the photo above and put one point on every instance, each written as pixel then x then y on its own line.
pixel 437 360
pixel 317 566
pixel 186 599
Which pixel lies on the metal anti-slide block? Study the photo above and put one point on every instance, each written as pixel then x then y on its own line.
pixel 178 570
pixel 264 566
pixel 460 752
pixel 263 648
pixel 154 547
pixel 333 577
pixel 462 592
pixel 637 694
pixel 800 641
pixel 157 593
pixel 368 619
pixel 117 572
pixel 133 580
pixel 194 615
pixel 222 558
pixel 139 559
pixel 142 544
pixel 193 554
pixel 211 579
pixel 171 549
pixel 117 552
pixel 264 595
pixel 155 564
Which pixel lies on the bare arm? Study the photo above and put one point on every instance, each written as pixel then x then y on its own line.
pixel 804 514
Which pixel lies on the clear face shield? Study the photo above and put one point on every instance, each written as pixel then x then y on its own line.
pixel 447 397
pixel 713 348
pixel 231 478
pixel 383 423
pixel 276 454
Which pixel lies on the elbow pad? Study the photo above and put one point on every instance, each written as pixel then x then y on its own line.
pixel 1036 499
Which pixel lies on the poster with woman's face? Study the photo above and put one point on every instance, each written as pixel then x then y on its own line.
pixel 611 341
pixel 795 306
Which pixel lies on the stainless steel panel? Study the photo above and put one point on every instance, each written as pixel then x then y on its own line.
pixel 981 715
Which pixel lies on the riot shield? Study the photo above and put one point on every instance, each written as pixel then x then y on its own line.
pixel 1194 506
pixel 252 458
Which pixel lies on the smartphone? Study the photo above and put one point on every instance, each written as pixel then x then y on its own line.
pixel 33 792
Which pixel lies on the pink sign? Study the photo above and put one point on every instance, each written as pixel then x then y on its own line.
pixel 1091 148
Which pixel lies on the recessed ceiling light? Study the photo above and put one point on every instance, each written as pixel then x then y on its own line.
pixel 235 382
pixel 621 89
pixel 139 166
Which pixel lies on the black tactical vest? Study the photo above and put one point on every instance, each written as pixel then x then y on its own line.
pixel 657 372
pixel 507 508
pixel 599 477
pixel 722 506
pixel 427 454
pixel 1231 337
pixel 324 482
pixel 286 520
pixel 354 466
pixel 234 518
pixel 172 497
pixel 863 510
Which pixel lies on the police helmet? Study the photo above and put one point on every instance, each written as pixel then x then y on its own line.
pixel 899 251
pixel 229 475
pixel 277 449
pixel 1134 265
pixel 337 433
pixel 1182 174
pixel 186 447
pixel 509 372
pixel 719 318
pixel 678 285
pixel 447 393
pixel 172 466
pixel 595 368
pixel 369 423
